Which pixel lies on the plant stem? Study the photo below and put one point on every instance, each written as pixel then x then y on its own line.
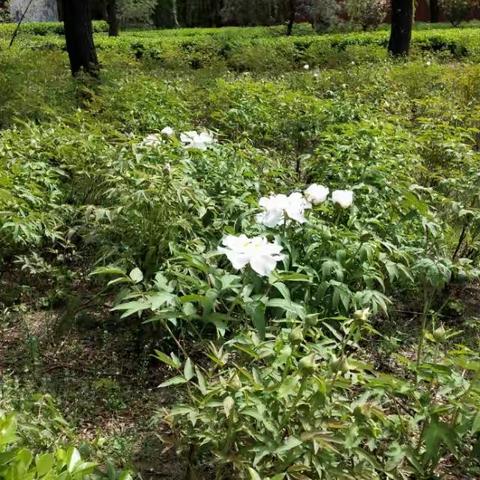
pixel 426 307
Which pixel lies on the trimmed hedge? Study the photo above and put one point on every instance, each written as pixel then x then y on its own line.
pixel 43 29
pixel 257 48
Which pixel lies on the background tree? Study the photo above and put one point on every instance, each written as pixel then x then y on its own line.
pixel 434 11
pixel 457 11
pixel 367 13
pixel 112 18
pixel 292 12
pixel 401 29
pixel 77 20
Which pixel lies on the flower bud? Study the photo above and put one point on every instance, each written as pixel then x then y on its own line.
pixel 362 314
pixel 340 365
pixel 235 382
pixel 296 335
pixel 440 334
pixel 307 364
pixel 311 320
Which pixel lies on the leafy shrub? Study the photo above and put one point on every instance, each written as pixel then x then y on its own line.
pixel 61 464
pixel 33 440
pixel 367 13
pixel 5 13
pixel 47 28
pixel 136 12
pixel 325 14
pixel 305 402
pixel 456 10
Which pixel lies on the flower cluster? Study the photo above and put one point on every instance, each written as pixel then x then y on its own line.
pixel 258 252
pixel 152 141
pixel 199 141
pixel 280 208
pixel 190 140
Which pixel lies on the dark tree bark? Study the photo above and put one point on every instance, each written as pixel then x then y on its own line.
pixel 113 24
pixel 292 4
pixel 434 11
pixel 401 31
pixel 79 36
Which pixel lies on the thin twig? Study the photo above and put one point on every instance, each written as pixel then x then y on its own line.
pixel 19 24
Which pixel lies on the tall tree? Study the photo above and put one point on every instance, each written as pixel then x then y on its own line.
pixel 112 17
pixel 175 14
pixel 77 20
pixel 292 12
pixel 401 30
pixel 434 11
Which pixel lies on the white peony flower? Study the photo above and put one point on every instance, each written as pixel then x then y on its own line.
pixel 258 252
pixel 344 198
pixel 168 131
pixel 199 141
pixel 306 66
pixel 279 207
pixel 152 141
pixel 316 194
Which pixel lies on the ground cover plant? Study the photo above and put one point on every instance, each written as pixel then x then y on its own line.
pixel 240 255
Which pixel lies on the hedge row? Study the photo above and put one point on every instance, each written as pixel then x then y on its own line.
pixel 46 28
pixel 247 50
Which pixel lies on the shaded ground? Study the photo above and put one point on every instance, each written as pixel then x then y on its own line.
pixel 104 382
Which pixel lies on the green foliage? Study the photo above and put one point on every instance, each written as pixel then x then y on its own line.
pixel 32 436
pixel 47 28
pixel 307 402
pixel 367 14
pixel 303 380
pixel 62 464
pixel 134 12
pixel 457 10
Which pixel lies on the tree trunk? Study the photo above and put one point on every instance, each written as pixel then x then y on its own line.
pixel 175 14
pixel 401 30
pixel 292 11
pixel 434 11
pixel 79 36
pixel 113 25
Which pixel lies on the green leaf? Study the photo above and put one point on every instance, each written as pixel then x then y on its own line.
pixel 44 463
pixel 287 306
pixel 258 319
pixel 253 474
pixel 173 381
pixel 228 404
pixel 73 459
pixel 290 443
pixel 165 359
pixel 201 381
pixel 476 423
pixel 188 370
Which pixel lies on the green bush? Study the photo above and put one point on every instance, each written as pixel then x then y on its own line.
pixel 333 350
pixel 456 10
pixel 43 29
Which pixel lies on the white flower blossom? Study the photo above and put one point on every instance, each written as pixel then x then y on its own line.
pixel 280 207
pixel 316 194
pixel 306 66
pixel 344 198
pixel 152 141
pixel 168 131
pixel 258 252
pixel 199 141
